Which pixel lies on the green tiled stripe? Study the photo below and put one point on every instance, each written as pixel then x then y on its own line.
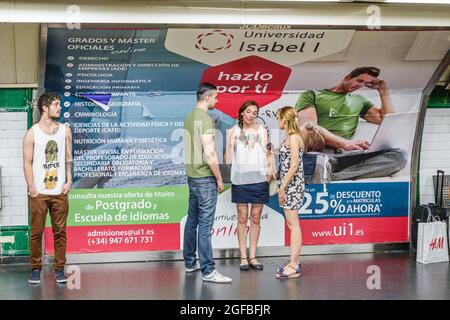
pixel 15 99
pixel 439 98
pixel 20 246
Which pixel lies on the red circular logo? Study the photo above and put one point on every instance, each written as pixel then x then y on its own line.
pixel 213 41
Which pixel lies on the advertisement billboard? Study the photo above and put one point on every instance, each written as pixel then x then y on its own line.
pixel 125 94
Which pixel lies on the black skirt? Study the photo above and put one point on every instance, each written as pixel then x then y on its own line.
pixel 257 193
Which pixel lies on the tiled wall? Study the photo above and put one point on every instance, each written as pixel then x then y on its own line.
pixel 435 151
pixel 14 209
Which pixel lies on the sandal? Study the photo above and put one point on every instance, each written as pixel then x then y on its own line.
pixel 281 269
pixel 244 266
pixel 257 266
pixel 281 273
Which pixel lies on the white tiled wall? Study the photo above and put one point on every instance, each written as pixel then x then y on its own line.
pixel 14 209
pixel 435 152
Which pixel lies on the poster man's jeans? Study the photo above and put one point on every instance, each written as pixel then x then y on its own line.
pixel 369 165
pixel 202 208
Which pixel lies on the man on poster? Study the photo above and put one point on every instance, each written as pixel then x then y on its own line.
pixel 336 113
pixel 47 162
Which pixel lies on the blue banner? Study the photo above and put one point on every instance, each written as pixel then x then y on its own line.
pixel 353 200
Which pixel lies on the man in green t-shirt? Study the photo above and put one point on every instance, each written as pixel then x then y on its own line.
pixel 205 182
pixel 336 112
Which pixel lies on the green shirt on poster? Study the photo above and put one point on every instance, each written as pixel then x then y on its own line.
pixel 337 112
pixel 197 122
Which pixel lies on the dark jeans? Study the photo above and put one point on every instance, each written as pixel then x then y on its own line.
pixel 202 208
pixel 369 165
pixel 58 207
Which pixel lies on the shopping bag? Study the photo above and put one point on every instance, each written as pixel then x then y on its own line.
pixel 432 243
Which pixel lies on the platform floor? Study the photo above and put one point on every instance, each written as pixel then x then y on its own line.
pixel 335 277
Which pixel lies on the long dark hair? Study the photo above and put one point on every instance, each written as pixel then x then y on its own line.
pixel 246 104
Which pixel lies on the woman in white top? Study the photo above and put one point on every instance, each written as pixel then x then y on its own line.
pixel 248 156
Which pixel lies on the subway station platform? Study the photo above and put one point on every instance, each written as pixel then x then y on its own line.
pixel 325 277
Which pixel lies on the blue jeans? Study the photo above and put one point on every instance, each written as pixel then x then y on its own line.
pixel 202 208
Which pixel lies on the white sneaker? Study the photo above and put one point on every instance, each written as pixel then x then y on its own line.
pixel 215 276
pixel 196 267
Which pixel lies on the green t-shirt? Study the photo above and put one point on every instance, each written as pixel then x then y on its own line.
pixel 197 122
pixel 337 112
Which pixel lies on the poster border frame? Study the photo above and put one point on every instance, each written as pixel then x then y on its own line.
pixel 263 251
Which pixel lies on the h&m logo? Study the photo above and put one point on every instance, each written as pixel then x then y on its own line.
pixel 437 243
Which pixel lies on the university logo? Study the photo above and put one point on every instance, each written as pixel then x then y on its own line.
pixel 214 41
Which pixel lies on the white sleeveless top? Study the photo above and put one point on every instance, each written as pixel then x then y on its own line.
pixel 49 160
pixel 249 163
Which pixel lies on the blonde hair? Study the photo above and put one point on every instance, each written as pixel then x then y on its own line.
pixel 314 140
pixel 289 116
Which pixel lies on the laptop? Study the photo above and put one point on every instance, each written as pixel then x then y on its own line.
pixel 396 131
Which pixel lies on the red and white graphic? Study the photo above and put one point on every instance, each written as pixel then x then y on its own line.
pixel 437 243
pixel 224 230
pixel 249 78
pixel 91 239
pixel 352 230
pixel 213 41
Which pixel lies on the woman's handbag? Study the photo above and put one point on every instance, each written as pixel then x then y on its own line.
pixel 273 186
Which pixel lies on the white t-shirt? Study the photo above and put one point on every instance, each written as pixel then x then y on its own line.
pixel 49 160
pixel 249 163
